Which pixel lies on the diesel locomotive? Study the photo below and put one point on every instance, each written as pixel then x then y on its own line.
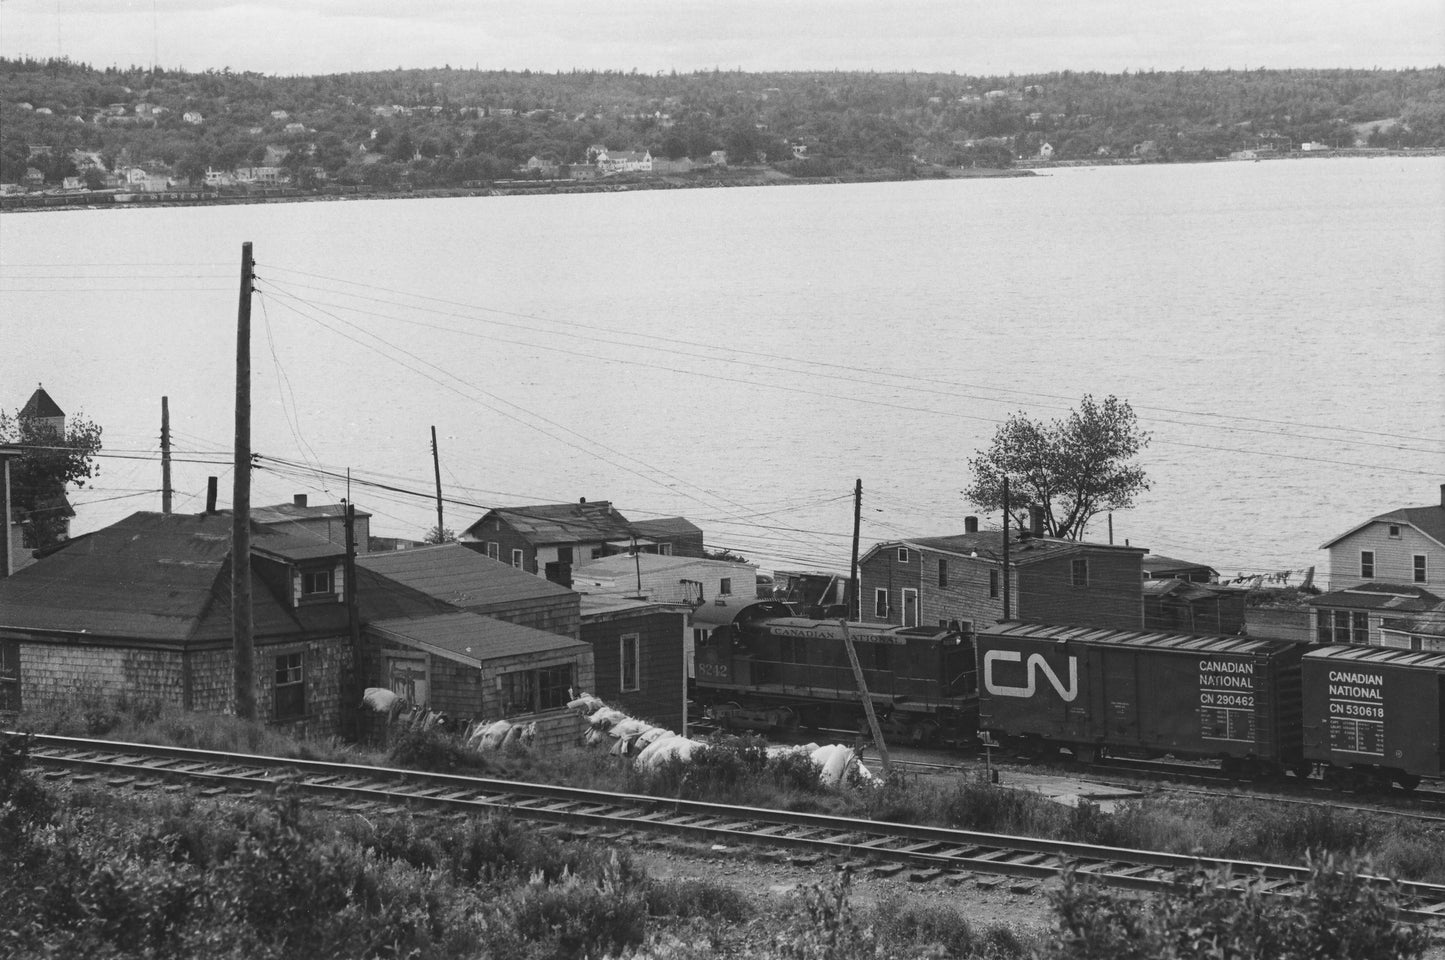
pixel 768 669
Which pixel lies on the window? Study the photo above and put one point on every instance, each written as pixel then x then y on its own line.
pixel 942 573
pixel 631 663
pixel 517 559
pixel 10 676
pixel 493 550
pixel 531 691
pixel 1343 626
pixel 1079 572
pixel 290 686
pixel 725 587
pixel 664 549
pixel 315 583
pixel 902 554
pixel 993 583
pixel 1422 574
pixel 1394 531
pixel 1367 564
pixel 880 602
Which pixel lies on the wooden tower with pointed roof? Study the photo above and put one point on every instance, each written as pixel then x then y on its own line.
pixel 44 411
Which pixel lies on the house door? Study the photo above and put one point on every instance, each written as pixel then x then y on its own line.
pixel 910 607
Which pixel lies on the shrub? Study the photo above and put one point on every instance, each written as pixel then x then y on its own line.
pixel 1339 913
pixel 581 917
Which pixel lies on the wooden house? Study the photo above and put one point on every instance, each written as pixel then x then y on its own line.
pixel 959 580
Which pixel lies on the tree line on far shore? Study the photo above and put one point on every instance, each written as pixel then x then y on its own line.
pixel 445 126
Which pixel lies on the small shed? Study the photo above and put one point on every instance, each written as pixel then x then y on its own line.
pixel 639 655
pixel 1177 606
pixel 1158 567
pixel 476 668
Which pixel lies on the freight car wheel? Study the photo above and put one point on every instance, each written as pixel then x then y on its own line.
pixel 1087 752
pixel 1407 781
pixel 1303 769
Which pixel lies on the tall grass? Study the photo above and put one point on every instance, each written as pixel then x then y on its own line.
pixel 737 771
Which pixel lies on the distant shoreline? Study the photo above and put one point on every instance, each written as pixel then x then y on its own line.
pixel 116 200
pixel 39 203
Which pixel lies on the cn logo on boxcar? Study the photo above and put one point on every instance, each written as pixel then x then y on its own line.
pixel 1035 665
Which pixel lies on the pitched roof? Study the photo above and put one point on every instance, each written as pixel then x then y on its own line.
pixel 471 639
pixel 287 512
pixel 1429 520
pixel 461 577
pixel 40 406
pixel 666 527
pixel 1161 567
pixel 1401 598
pixel 151 576
pixel 1429 622
pixel 987 546
pixel 625 564
pixel 561 522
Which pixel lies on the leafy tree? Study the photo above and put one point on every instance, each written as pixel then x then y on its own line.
pixel 440 535
pixel 724 554
pixel 1074 468
pixel 51 462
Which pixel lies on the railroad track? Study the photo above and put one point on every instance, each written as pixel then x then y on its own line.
pixel 933 852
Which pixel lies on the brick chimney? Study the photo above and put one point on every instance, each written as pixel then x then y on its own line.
pixel 1036 520
pixel 210 495
pixel 298 500
pixel 970 524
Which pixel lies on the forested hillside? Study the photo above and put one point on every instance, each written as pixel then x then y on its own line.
pixel 447 126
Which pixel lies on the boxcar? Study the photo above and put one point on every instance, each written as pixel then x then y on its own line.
pixel 1374 713
pixel 764 670
pixel 1097 692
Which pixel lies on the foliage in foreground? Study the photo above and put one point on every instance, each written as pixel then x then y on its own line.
pixel 1338 914
pixel 98 873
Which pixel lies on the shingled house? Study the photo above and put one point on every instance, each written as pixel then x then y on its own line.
pixel 143 607
pixel 959 580
pixel 548 539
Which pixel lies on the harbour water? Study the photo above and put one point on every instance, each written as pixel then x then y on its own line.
pixel 739 356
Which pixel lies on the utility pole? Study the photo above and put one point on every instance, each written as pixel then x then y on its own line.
pixel 848 639
pixel 854 604
pixel 1006 590
pixel 353 615
pixel 436 465
pixel 166 455
pixel 243 639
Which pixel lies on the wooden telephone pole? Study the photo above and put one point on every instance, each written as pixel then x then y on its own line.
pixel 242 633
pixel 165 455
pixel 436 466
pixel 848 639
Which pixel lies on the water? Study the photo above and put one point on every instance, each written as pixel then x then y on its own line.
pixel 739 356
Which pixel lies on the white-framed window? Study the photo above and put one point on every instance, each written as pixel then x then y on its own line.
pixel 517 559
pixel 725 586
pixel 1079 572
pixel 631 650
pixel 1422 570
pixel 910 607
pixel 902 554
pixel 1394 531
pixel 1343 626
pixel 315 583
pixel 664 549
pixel 880 602
pixel 494 550
pixel 290 697
pixel 1367 564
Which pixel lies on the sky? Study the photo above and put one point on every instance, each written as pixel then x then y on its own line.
pixel 301 37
